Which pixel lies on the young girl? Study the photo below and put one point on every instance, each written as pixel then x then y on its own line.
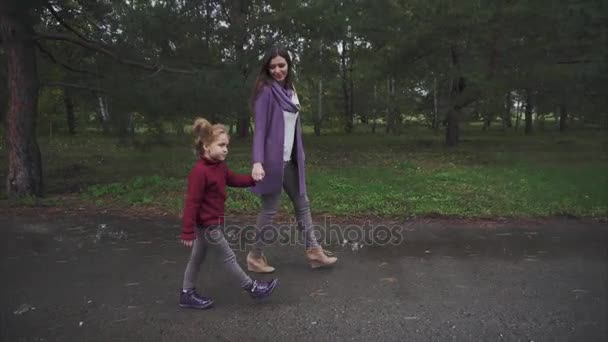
pixel 204 215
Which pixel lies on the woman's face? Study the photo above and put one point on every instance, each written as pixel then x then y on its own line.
pixel 278 68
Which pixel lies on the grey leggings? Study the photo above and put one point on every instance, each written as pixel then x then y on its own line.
pixel 301 206
pixel 212 237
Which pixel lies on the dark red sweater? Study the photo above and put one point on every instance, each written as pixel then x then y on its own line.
pixel 207 194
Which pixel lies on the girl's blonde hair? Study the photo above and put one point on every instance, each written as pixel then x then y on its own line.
pixel 206 133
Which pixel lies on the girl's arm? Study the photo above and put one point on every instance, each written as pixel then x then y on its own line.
pixel 192 205
pixel 238 180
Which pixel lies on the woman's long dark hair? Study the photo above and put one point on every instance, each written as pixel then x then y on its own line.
pixel 264 77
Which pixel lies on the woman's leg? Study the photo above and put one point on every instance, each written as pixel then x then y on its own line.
pixel 301 205
pixel 270 205
pixel 315 254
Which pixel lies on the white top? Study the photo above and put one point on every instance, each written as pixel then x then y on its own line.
pixel 290 129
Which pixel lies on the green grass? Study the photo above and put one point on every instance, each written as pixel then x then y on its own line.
pixel 489 174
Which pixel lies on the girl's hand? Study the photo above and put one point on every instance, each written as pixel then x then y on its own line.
pixel 187 243
pixel 257 172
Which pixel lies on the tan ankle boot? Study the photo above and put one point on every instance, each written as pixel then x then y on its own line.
pixel 258 264
pixel 317 257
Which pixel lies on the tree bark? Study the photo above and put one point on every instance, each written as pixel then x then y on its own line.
pixel 24 163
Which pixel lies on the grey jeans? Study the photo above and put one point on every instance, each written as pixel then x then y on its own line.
pixel 212 237
pixel 301 206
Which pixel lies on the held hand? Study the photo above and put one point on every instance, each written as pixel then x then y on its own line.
pixel 187 243
pixel 257 172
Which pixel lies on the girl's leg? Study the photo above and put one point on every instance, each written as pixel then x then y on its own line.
pixel 226 254
pixel 300 203
pixel 270 205
pixel 199 251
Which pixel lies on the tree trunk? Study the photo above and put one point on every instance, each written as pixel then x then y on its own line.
pixel 452 133
pixel 242 125
pixel 103 114
pixel 506 121
pixel 374 113
pixel 351 84
pixel 319 117
pixel 563 118
pixel 123 126
pixel 239 10
pixel 528 113
pixel 24 163
pixel 435 121
pixel 348 120
pixel 69 111
pixel 487 122
pixel 389 117
pixel 518 116
pixel 395 115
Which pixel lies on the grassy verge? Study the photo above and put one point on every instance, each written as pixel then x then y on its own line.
pixel 489 174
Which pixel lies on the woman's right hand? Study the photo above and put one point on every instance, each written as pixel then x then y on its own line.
pixel 187 243
pixel 257 172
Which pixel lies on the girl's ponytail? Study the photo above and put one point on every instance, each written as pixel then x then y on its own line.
pixel 205 133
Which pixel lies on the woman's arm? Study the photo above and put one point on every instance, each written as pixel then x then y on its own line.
pixel 261 115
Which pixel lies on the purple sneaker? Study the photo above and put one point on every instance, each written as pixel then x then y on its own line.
pixel 261 289
pixel 191 299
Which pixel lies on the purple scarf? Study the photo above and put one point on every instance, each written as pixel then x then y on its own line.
pixel 283 97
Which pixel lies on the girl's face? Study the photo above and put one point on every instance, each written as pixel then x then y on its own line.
pixel 278 69
pixel 218 150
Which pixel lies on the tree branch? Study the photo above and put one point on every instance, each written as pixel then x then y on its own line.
pixel 97 47
pixel 72 85
pixel 64 24
pixel 225 12
pixel 155 73
pixel 52 58
pixel 582 61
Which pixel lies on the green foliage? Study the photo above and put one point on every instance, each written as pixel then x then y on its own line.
pixel 554 50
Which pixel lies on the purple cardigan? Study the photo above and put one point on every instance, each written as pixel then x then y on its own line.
pixel 268 139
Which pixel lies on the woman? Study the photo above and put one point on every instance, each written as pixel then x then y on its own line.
pixel 278 157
